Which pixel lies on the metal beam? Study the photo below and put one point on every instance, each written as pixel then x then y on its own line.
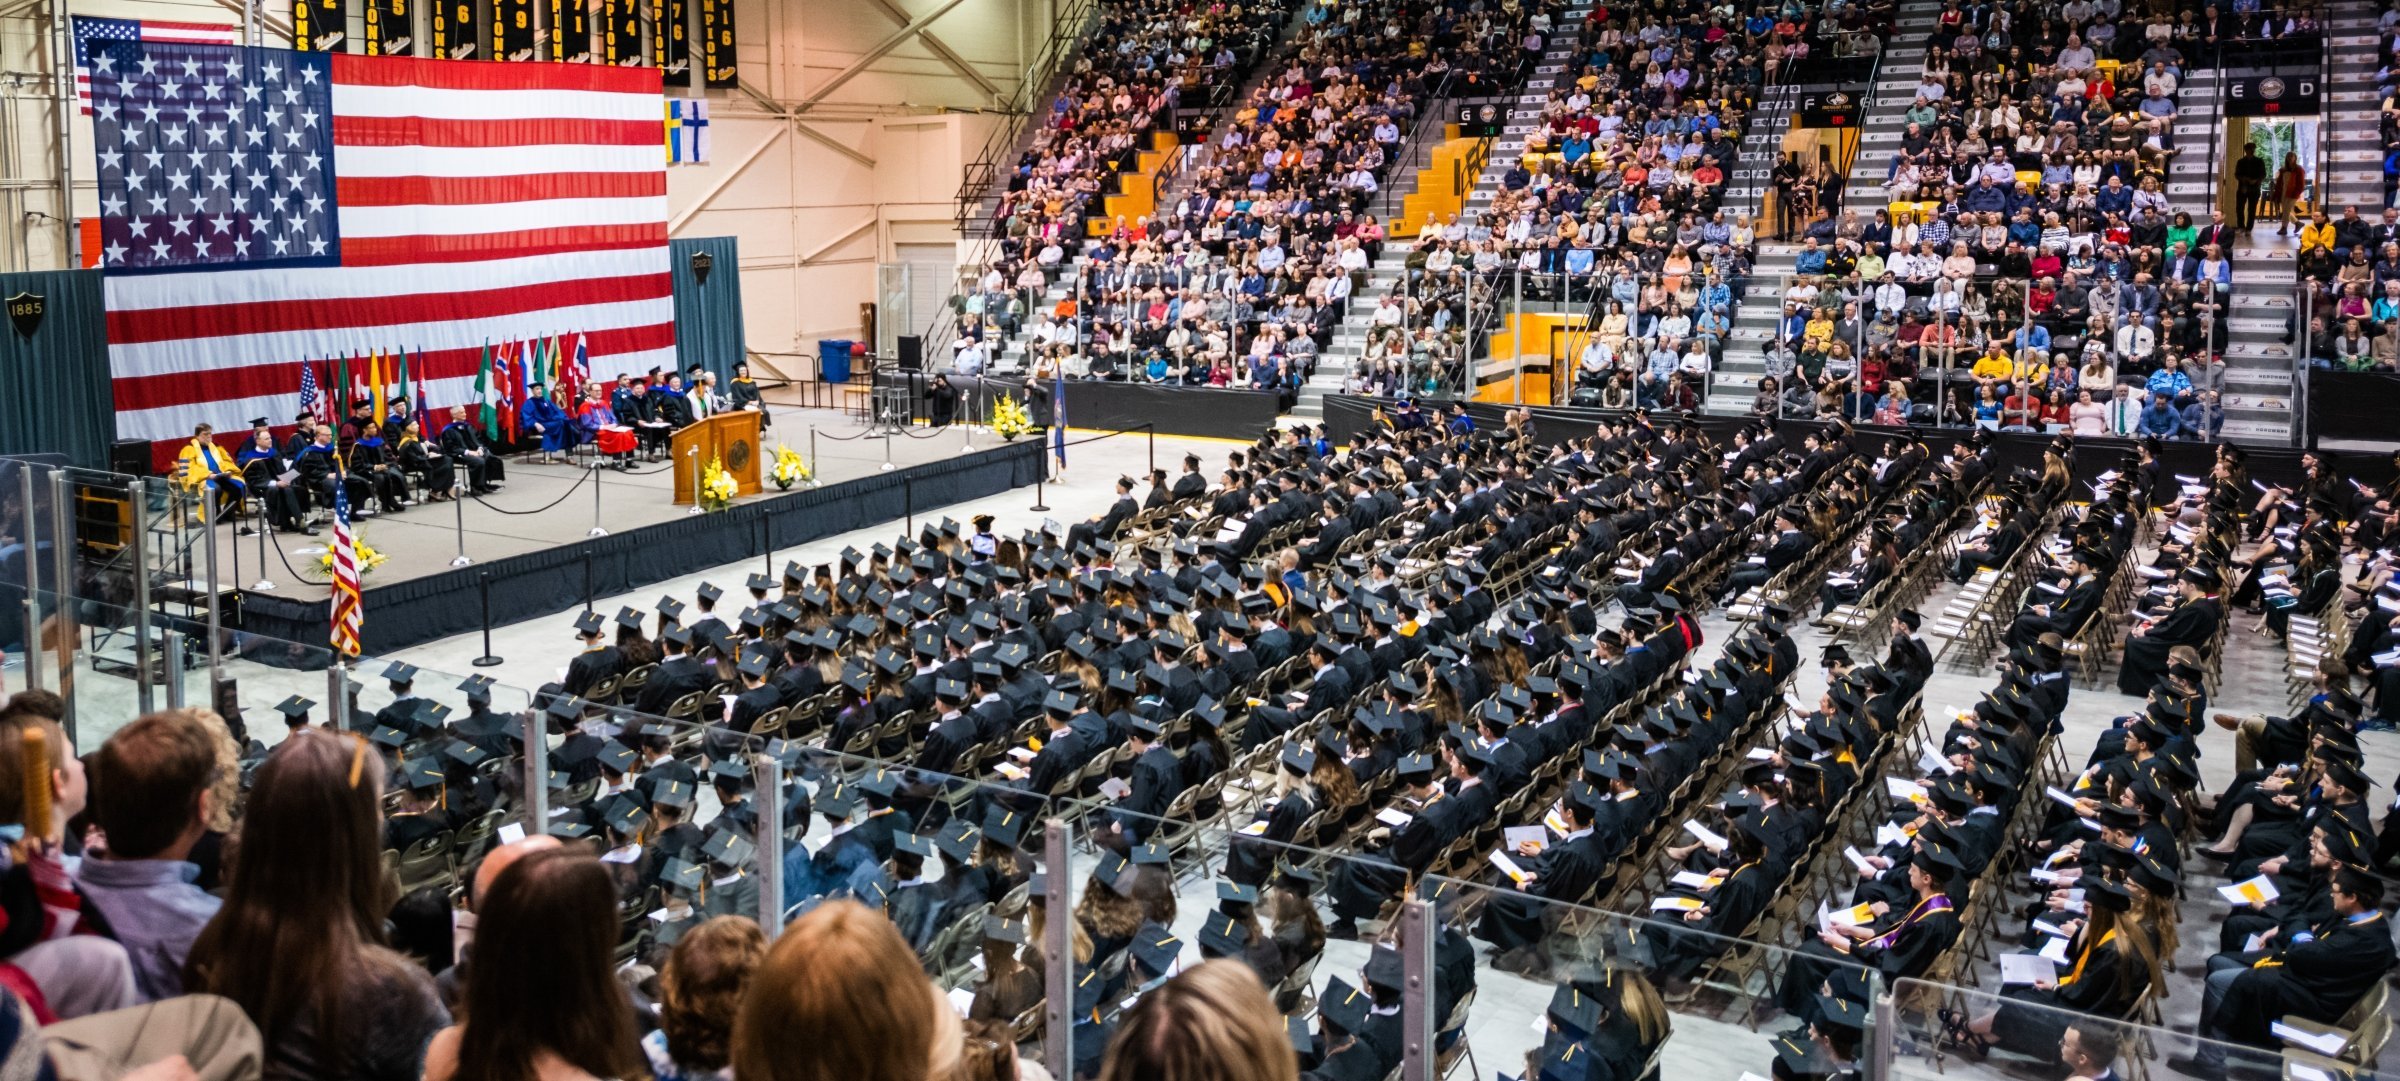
pixel 785 113
pixel 915 26
pixel 943 50
pixel 264 19
pixel 819 251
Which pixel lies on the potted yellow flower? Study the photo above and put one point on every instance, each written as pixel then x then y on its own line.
pixel 1010 418
pixel 717 487
pixel 790 468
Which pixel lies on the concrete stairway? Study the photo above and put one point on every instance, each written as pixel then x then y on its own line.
pixel 1350 338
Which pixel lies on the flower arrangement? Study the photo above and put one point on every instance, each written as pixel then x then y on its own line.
pixel 716 486
pixel 368 558
pixel 790 468
pixel 1010 418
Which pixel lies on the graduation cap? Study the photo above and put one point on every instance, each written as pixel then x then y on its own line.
pixel 422 775
pixel 1156 948
pixel 400 672
pixel 1344 1006
pixel 1414 767
pixel 617 757
pixel 760 583
pixel 1296 1033
pixel 588 625
pixel 1575 1012
pixel 1116 873
pixel 2102 893
pixel 1295 878
pixel 630 619
pixel 958 841
pixel 836 801
pixel 1003 929
pixel 1152 855
pixel 1237 893
pixel 1384 969
pixel 1298 759
pixel 914 844
pixel 708 592
pixel 683 875
pixel 464 753
pixel 882 783
pixel 1223 936
pixel 1848 1016
pixel 1004 827
pixel 627 818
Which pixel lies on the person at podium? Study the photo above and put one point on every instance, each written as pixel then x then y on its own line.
pixel 541 418
pixel 470 450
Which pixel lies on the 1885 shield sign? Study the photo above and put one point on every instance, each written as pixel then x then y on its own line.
pixel 25 311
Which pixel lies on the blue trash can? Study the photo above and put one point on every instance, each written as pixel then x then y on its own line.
pixel 833 360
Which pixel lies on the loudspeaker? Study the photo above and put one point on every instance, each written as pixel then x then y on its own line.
pixel 912 353
pixel 130 456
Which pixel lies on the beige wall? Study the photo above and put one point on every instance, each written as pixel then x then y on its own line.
pixel 846 139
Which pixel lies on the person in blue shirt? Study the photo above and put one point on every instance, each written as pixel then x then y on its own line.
pixel 1460 422
pixel 2169 382
pixel 2202 419
pixel 2159 418
pixel 1811 259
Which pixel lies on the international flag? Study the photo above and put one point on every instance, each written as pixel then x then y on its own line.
pixel 308 390
pixel 488 416
pixel 261 206
pixel 575 374
pixel 375 384
pixel 349 608
pixel 687 131
pixel 89 30
pixel 400 393
pixel 424 413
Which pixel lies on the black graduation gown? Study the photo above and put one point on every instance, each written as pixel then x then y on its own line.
pixel 2188 624
pixel 1564 873
pixel 484 466
pixel 2089 987
pixel 1737 900
pixel 2318 980
pixel 1247 860
pixel 1907 949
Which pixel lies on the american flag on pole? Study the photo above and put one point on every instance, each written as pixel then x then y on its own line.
pixel 262 206
pixel 349 609
pixel 308 391
pixel 89 30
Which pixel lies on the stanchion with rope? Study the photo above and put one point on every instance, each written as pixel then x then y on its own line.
pixel 264 583
pixel 461 507
pixel 483 585
pixel 593 475
pixel 694 455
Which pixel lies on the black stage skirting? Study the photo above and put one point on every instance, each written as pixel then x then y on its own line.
pixel 1348 414
pixel 2352 405
pixel 420 610
pixel 1222 413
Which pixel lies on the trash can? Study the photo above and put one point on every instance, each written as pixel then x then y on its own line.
pixel 833 360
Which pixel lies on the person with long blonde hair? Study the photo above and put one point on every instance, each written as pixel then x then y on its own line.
pixel 840 997
pixel 1211 1023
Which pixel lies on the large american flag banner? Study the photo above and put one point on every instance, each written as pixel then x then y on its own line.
pixel 261 208
pixel 89 30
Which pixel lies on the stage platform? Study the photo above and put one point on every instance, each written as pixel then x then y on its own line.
pixel 533 541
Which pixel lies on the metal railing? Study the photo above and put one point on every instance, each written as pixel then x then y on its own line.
pixel 1075 19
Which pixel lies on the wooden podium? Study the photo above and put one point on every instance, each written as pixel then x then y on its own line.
pixel 729 438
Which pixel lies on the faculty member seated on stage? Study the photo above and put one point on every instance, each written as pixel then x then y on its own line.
pixel 542 419
pixel 205 470
pixel 470 450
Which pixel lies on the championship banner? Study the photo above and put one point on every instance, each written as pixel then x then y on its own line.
pixel 716 44
pixel 671 41
pixel 512 30
pixel 457 31
pixel 570 31
pixel 320 26
pixel 621 33
pixel 391 28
